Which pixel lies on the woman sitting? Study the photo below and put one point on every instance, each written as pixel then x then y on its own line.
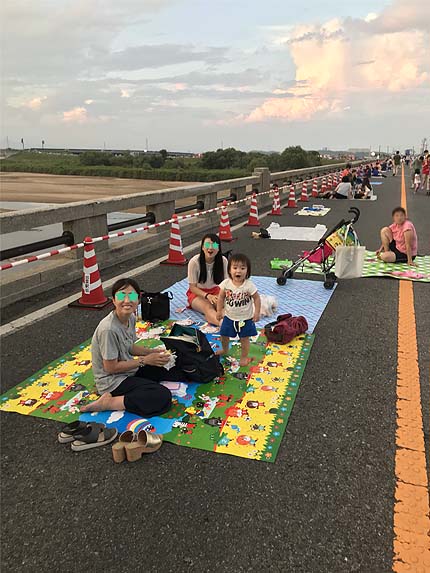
pixel 128 375
pixel 399 240
pixel 205 272
pixel 365 191
pixel 343 190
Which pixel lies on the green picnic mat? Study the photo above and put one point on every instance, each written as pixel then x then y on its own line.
pixel 244 413
pixel 373 267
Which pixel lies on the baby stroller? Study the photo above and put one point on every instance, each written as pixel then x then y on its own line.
pixel 324 252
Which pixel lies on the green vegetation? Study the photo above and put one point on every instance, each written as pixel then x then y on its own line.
pixel 211 166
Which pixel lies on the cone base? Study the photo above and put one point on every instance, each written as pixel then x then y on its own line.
pixel 174 263
pixel 93 306
pixel 230 240
pixel 277 214
pixel 257 224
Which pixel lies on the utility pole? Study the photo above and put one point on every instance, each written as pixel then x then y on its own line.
pixel 22 141
pixel 7 142
pixel 43 144
pixel 147 146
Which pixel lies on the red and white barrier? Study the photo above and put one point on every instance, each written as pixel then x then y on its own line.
pixel 224 225
pixel 315 188
pixel 304 194
pixel 253 220
pixel 92 290
pixel 292 198
pixel 276 205
pixel 176 253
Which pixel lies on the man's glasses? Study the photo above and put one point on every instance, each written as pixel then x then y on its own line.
pixel 132 296
pixel 208 245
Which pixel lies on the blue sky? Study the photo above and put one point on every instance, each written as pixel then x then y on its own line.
pixel 195 74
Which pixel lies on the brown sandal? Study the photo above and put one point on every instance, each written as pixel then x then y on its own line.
pixel 146 443
pixel 118 449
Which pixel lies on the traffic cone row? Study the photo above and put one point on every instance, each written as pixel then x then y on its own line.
pixel 330 183
pixel 176 253
pixel 276 205
pixel 224 225
pixel 304 195
pixel 253 220
pixel 92 295
pixel 292 198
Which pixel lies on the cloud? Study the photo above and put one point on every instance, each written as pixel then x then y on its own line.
pixel 387 52
pixel 75 115
pixel 125 93
pixel 115 416
pixel 35 103
pixel 88 101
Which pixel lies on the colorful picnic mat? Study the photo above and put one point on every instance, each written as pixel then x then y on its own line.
pixel 299 297
pixel 244 413
pixel 313 211
pixel 373 267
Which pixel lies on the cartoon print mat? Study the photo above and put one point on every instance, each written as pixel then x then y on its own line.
pixel 373 267
pixel 299 297
pixel 243 414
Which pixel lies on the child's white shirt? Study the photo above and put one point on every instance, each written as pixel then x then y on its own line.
pixel 417 179
pixel 238 304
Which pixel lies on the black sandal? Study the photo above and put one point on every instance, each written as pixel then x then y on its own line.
pixel 68 433
pixel 93 436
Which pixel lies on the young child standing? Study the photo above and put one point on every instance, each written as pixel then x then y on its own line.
pixel 417 180
pixel 239 299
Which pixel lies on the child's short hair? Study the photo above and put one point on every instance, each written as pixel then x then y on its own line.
pixel 241 259
pixel 417 171
pixel 398 210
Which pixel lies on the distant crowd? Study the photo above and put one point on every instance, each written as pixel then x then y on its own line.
pixel 355 183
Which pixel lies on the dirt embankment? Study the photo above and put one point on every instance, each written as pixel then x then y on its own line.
pixel 41 188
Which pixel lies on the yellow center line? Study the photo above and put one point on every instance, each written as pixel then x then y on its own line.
pixel 411 506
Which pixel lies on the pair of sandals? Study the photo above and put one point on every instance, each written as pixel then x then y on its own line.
pixel 132 446
pixel 86 435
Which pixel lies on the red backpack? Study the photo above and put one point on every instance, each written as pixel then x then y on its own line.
pixel 285 328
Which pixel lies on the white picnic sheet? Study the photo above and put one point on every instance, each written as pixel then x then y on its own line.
pixel 296 233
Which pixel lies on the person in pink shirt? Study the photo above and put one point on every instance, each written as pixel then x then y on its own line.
pixel 399 240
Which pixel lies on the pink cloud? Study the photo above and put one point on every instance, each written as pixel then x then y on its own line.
pixel 339 58
pixel 75 115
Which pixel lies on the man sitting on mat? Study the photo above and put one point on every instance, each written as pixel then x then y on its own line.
pixel 399 240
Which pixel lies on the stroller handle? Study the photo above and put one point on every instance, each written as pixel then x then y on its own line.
pixel 356 213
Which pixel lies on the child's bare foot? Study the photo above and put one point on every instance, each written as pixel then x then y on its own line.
pixel 245 361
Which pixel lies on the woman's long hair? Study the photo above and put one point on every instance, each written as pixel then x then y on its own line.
pixel 218 268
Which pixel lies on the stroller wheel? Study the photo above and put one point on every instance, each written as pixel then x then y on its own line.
pixel 281 280
pixel 329 284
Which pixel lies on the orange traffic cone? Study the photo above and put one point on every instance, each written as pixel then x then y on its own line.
pixel 292 198
pixel 253 213
pixel 304 194
pixel 92 290
pixel 276 205
pixel 315 188
pixel 224 225
pixel 176 254
pixel 323 187
pixel 330 183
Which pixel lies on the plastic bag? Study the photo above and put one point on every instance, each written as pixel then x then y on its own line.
pixel 349 262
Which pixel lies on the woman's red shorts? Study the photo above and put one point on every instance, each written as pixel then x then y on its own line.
pixel 191 296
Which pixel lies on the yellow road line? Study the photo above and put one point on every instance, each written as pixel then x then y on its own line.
pixel 411 506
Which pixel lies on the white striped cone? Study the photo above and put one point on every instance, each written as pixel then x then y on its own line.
pixel 176 253
pixel 224 225
pixel 92 289
pixel 276 206
pixel 292 198
pixel 315 188
pixel 253 220
pixel 330 182
pixel 324 186
pixel 304 194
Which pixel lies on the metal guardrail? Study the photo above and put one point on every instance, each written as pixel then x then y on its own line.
pixel 67 238
pixel 148 218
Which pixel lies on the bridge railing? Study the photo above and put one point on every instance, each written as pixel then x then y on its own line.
pixel 89 218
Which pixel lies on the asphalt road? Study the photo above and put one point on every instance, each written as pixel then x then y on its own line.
pixel 325 506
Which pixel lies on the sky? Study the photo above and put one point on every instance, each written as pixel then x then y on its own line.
pixel 195 75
